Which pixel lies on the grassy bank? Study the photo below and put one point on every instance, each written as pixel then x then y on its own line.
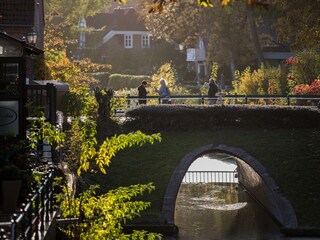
pixel 292 157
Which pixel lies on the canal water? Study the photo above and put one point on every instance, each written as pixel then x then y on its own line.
pixel 210 211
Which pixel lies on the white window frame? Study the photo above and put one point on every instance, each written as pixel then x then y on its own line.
pixel 145 41
pixel 128 41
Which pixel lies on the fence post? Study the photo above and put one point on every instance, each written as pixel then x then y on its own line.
pixel 2 234
pixel 14 226
pixel 50 183
pixel 51 100
pixel 202 99
pixel 36 214
pixel 159 100
pixel 29 211
pixel 23 221
pixel 288 100
pixel 246 99
pixel 128 100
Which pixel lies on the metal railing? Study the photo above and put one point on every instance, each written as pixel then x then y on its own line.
pixel 210 177
pixel 297 100
pixel 34 216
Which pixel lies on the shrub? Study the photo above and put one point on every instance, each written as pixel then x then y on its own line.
pixel 120 81
pixel 102 77
pixel 313 88
pixel 261 81
pixel 304 68
pixel 184 117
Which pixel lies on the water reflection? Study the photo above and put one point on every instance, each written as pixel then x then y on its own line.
pixel 219 210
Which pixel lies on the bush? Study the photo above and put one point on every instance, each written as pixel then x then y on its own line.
pixel 121 81
pixel 312 89
pixel 102 77
pixel 186 117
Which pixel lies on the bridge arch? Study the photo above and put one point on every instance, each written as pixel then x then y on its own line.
pixel 278 206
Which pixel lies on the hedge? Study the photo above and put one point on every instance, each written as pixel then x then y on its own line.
pixel 122 81
pixel 103 78
pixel 184 117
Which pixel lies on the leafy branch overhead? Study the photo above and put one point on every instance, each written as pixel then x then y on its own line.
pixel 157 5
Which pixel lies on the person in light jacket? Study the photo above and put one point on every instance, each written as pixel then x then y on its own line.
pixel 164 91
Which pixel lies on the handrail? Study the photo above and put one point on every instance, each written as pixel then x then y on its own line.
pixel 210 177
pixel 34 214
pixel 290 99
pixel 249 96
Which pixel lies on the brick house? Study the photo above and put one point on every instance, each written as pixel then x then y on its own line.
pixel 18 18
pixel 121 39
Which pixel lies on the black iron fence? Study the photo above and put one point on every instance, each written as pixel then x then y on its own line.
pixel 297 100
pixel 210 177
pixel 32 221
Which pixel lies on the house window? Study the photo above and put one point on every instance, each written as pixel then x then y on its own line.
pixel 128 41
pixel 145 41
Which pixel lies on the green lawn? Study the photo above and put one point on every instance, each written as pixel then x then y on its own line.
pixel 292 157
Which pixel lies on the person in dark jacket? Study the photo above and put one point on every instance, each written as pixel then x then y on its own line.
pixel 213 89
pixel 142 92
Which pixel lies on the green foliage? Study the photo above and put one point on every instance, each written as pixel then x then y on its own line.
pixel 102 77
pixel 121 81
pixel 214 71
pixel 102 216
pixel 111 146
pixel 42 130
pixel 304 68
pixel 190 117
pixel 261 81
pixel 166 71
pixel 81 142
pixel 297 23
pixel 61 68
pixel 79 102
pixel 84 152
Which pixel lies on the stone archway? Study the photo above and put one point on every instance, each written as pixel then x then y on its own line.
pixel 279 207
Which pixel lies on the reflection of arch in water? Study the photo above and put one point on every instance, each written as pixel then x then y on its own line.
pixel 253 175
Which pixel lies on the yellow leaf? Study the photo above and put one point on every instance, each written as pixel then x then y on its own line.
pixel 224 2
pixel 250 2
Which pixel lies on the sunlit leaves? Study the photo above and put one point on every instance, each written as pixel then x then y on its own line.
pixel 158 5
pixel 112 145
pixel 102 216
pixel 205 3
pixel 224 2
pixel 85 152
pixel 42 130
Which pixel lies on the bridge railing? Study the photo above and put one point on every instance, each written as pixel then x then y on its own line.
pixel 35 216
pixel 210 177
pixel 297 100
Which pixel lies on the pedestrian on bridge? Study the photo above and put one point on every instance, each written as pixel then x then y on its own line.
pixel 164 91
pixel 213 89
pixel 142 92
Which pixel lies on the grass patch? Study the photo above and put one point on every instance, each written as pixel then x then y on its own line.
pixel 291 156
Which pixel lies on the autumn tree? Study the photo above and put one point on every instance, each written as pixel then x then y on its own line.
pixel 226 29
pixel 297 22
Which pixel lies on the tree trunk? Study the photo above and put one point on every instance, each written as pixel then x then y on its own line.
pixel 255 37
pixel 232 65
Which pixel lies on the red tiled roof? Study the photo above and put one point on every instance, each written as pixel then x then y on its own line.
pixel 17 12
